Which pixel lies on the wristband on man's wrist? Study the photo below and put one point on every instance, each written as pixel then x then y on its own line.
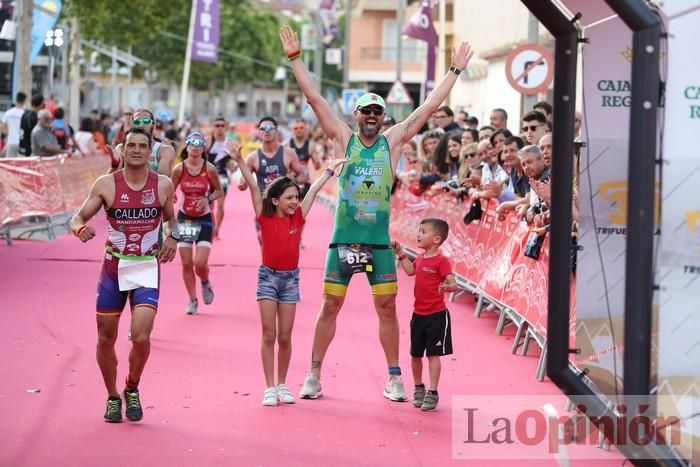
pixel 294 55
pixel 455 70
pixel 330 171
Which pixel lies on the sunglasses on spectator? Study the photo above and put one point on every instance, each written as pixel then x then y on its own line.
pixel 268 128
pixel 371 110
pixel 143 121
pixel 530 127
pixel 196 142
pixel 471 154
pixel 220 125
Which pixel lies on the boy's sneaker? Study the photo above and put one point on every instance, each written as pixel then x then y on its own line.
pixel 207 293
pixel 430 401
pixel 192 307
pixel 394 389
pixel 284 394
pixel 113 413
pixel 311 388
pixel 134 412
pixel 418 395
pixel 270 396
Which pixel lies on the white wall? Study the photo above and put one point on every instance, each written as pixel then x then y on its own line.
pixel 488 25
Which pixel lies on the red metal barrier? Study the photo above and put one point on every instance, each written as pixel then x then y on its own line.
pixel 46 186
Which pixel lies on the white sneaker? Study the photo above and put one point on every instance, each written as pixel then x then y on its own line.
pixel 284 394
pixel 311 388
pixel 191 307
pixel 394 389
pixel 270 396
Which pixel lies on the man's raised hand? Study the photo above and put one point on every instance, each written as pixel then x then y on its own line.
pixel 462 55
pixel 289 39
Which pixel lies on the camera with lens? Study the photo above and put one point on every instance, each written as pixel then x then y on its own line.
pixel 451 184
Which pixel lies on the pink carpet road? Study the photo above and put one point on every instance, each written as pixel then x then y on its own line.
pixel 202 387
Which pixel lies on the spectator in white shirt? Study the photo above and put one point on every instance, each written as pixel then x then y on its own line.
pixel 11 125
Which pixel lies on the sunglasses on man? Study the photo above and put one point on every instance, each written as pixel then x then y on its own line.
pixel 142 121
pixel 268 128
pixel 220 125
pixel 371 110
pixel 532 128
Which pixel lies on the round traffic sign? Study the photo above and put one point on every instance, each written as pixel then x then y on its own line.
pixel 530 69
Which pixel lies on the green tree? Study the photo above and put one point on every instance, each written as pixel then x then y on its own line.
pixel 157 32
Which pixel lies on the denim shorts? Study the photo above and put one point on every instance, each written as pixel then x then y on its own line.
pixel 279 286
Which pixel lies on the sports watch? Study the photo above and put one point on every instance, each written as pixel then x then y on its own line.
pixel 175 234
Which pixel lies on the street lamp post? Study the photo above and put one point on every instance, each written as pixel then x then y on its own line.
pixel 53 41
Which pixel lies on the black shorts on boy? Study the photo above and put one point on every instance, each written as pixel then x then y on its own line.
pixel 431 334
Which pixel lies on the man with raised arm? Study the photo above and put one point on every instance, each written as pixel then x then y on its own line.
pixel 360 240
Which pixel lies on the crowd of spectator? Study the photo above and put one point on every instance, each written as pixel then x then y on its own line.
pixel 40 129
pixel 489 163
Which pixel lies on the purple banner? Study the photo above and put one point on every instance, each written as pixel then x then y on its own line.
pixel 420 27
pixel 330 24
pixel 205 42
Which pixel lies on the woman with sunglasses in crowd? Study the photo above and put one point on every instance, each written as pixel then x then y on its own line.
pixel 199 183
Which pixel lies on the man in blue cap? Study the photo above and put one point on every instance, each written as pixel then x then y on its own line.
pixel 360 240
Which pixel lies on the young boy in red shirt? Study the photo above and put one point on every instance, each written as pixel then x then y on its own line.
pixel 431 328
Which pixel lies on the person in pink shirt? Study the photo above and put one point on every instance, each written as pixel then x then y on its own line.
pixel 281 215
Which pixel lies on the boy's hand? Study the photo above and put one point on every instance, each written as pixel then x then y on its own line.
pixel 443 287
pixel 396 246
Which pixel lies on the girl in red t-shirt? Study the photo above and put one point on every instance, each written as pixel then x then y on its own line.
pixel 281 215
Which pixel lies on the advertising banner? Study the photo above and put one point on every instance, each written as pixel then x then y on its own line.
pixel 603 194
pixel 205 43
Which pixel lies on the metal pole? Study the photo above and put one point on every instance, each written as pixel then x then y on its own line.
pixel 318 55
pixel 346 51
pixel 129 83
pixel 186 71
pixel 64 67
pixel 533 37
pixel 22 72
pixel 52 68
pixel 115 96
pixel 442 19
pixel 74 94
pixel 285 97
pixel 399 39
